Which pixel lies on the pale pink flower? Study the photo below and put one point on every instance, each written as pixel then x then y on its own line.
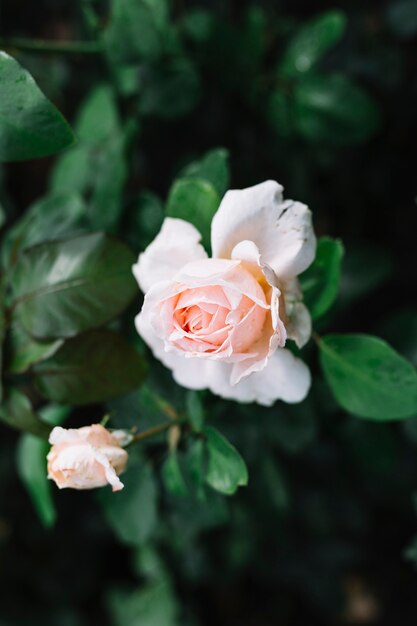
pixel 86 458
pixel 221 323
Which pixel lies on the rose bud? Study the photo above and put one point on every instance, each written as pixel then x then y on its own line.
pixel 86 458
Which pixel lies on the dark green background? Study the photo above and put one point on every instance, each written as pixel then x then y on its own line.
pixel 329 510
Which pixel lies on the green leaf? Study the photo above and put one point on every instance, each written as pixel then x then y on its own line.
pixel 152 605
pixel 30 125
pixel 16 411
pixel 172 475
pixel 94 367
pixel 53 217
pixel 368 378
pixel 195 201
pixel 135 32
pixel 311 42
pixel 132 512
pixel 331 108
pixel 98 117
pixel 213 167
pixel 2 335
pixel 195 409
pixel 66 287
pixel 24 351
pixel 32 469
pixel 226 470
pixel 320 283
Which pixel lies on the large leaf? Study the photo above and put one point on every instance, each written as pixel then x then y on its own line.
pixel 16 411
pixel 368 378
pixel 94 367
pixel 226 470
pixel 30 125
pixel 320 283
pixel 53 217
pixel 194 200
pixel 23 351
pixel 63 288
pixel 311 42
pixel 333 109
pixel 132 512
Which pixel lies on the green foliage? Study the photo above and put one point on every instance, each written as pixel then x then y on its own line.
pixel 213 168
pixel 154 605
pixel 194 200
pixel 169 90
pixel 97 167
pixel 333 109
pixel 30 125
pixel 226 470
pixel 368 378
pixel 16 411
pixel 320 283
pixel 136 28
pixel 172 475
pixel 53 217
pixel 66 287
pixel 93 367
pixel 311 42
pixel 31 462
pixel 131 513
pixel 25 351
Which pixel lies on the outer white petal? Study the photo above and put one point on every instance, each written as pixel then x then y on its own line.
pixel 299 324
pixel 284 378
pixel 177 243
pixel 282 230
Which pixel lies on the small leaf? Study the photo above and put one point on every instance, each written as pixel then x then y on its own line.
pixel 31 464
pixel 331 108
pixel 172 475
pixel 30 126
pixel 195 409
pixel 196 201
pixel 320 283
pixel 63 288
pixel 91 368
pixel 368 378
pixel 311 42
pixel 132 512
pixel 16 411
pixel 226 469
pixel 135 30
pixel 24 351
pixel 213 167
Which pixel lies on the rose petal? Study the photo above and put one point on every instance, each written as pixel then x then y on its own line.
pixel 282 230
pixel 176 245
pixel 284 378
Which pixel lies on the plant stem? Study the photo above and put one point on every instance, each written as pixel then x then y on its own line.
pixel 157 430
pixel 51 47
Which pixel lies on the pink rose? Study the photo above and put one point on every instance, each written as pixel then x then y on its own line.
pixel 222 323
pixel 86 458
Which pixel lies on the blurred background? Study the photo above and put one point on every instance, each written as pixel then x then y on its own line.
pixel 322 99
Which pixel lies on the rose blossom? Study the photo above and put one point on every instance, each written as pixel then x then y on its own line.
pixel 86 458
pixel 222 323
